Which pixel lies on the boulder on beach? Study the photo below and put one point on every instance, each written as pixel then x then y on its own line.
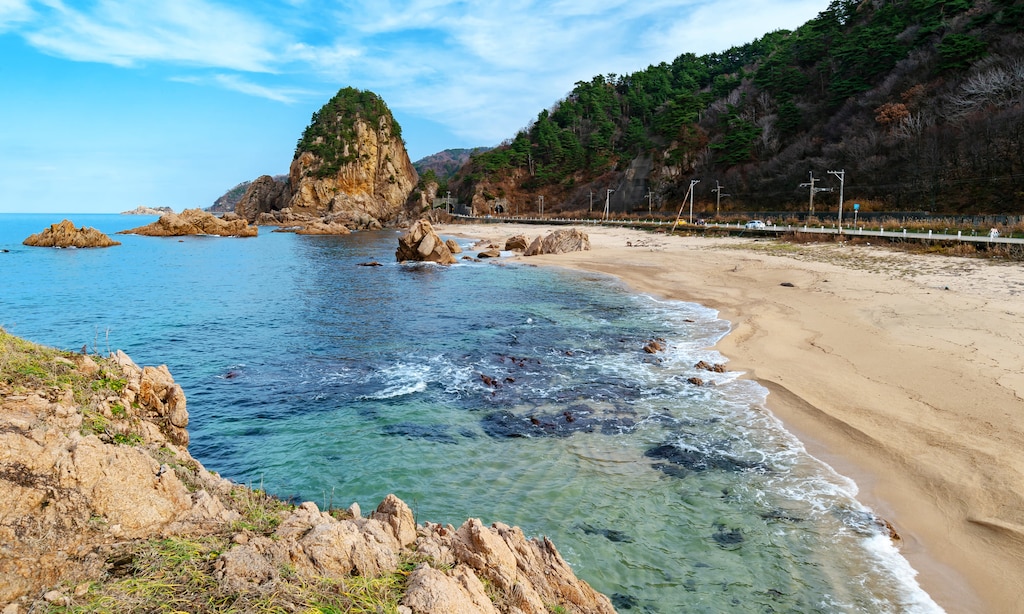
pixel 194 222
pixel 422 244
pixel 65 234
pixel 559 242
pixel 518 243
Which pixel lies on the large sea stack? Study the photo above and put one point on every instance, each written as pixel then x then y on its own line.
pixel 350 164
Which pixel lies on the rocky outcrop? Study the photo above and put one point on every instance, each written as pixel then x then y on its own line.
pixel 83 469
pixel 194 222
pixel 96 477
pixel 65 234
pixel 422 244
pixel 559 242
pixel 264 195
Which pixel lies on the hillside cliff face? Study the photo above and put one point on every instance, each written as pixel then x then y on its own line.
pixel 920 102
pixel 349 165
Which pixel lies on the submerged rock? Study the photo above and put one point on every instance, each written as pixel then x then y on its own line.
pixel 505 424
pixel 696 460
pixel 65 234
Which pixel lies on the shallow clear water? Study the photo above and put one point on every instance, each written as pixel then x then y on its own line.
pixel 507 392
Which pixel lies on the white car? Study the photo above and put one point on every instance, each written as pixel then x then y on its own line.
pixel 755 224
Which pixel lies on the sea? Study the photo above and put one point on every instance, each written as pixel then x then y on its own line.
pixel 490 389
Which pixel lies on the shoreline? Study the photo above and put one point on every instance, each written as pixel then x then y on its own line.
pixel 902 372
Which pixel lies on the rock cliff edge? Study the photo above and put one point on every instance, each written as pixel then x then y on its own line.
pixel 102 504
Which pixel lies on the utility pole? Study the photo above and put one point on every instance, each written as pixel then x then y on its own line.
pixel 541 204
pixel 648 202
pixel 591 201
pixel 842 181
pixel 448 201
pixel 718 197
pixel 813 190
pixel 607 202
pixel 693 182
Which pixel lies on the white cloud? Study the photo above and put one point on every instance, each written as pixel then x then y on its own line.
pixel 126 33
pixel 14 12
pixel 236 83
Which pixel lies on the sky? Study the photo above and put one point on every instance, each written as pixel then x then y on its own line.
pixel 106 105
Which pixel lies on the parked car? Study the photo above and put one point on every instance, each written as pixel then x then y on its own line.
pixel 755 224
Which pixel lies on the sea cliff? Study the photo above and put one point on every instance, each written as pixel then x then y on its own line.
pixel 102 504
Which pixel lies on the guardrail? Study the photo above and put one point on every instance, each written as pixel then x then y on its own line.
pixel 742 229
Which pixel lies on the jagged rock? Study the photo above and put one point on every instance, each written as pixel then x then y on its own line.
pixel 453 247
pixel 518 243
pixel 65 234
pixel 194 222
pixel 654 346
pixel 64 490
pixel 489 253
pixel 717 368
pixel 71 500
pixel 263 196
pixel 421 243
pixel 559 242
pixel 432 591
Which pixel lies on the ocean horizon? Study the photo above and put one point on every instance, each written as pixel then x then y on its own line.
pixel 497 390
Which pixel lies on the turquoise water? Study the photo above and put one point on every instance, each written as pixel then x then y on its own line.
pixel 494 390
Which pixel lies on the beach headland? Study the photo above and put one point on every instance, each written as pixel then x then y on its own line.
pixel 904 372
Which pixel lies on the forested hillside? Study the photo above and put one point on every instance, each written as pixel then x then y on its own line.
pixel 920 102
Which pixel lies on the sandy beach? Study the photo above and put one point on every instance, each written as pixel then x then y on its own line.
pixel 903 372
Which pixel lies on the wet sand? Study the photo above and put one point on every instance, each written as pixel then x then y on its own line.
pixel 904 372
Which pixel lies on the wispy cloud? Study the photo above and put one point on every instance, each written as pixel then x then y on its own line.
pixel 237 83
pixel 482 69
pixel 14 12
pixel 126 33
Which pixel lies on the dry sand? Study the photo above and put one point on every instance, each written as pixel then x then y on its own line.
pixel 904 372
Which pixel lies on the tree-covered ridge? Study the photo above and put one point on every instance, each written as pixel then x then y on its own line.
pixel 331 134
pixel 884 88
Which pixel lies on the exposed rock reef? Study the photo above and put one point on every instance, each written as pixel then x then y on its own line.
pixel 101 504
pixel 194 222
pixel 65 234
pixel 422 244
pixel 350 164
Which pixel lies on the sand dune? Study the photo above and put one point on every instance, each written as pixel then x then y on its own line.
pixel 904 372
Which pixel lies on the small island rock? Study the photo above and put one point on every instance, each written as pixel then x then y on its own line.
pixel 65 234
pixel 194 222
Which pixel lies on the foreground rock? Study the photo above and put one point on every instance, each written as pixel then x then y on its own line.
pixel 194 222
pixel 65 234
pixel 422 244
pixel 102 508
pixel 559 242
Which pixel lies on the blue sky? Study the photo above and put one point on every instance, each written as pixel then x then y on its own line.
pixel 106 105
